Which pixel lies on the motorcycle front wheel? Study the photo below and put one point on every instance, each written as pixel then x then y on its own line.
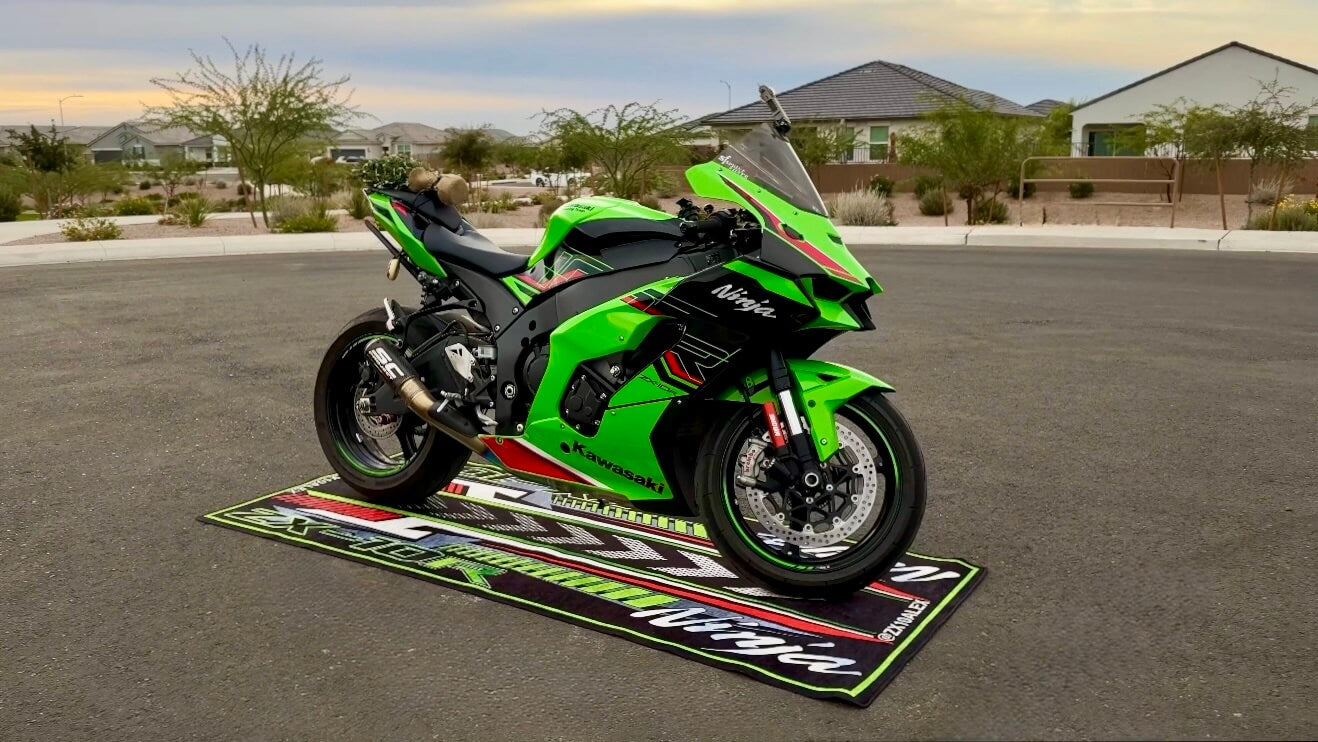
pixel 826 544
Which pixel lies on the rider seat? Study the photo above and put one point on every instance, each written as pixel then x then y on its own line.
pixel 470 249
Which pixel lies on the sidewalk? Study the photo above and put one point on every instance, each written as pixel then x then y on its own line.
pixel 523 240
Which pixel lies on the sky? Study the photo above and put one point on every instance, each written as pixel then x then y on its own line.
pixel 501 62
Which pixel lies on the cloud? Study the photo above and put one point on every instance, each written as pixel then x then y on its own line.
pixel 450 62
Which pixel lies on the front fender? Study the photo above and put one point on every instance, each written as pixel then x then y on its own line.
pixel 824 387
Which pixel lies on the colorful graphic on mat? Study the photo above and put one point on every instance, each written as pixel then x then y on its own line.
pixel 652 579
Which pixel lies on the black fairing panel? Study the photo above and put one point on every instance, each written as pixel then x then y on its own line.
pixel 590 238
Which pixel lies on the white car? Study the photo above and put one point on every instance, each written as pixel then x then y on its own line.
pixel 556 180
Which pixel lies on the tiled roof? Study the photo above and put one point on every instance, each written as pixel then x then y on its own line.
pixel 876 90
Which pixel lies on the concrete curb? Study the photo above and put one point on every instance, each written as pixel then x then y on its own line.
pixel 523 240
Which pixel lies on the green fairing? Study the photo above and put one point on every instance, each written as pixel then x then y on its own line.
pixel 610 327
pixel 824 387
pixel 589 209
pixel 412 247
pixel 707 180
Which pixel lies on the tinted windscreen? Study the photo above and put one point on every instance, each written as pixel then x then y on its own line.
pixel 768 159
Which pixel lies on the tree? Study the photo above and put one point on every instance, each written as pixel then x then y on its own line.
pixel 1159 133
pixel 627 143
pixel 52 171
pixel 1056 133
pixel 820 145
pixel 265 108
pixel 978 152
pixel 468 151
pixel 1270 130
pixel 174 168
pixel 1211 136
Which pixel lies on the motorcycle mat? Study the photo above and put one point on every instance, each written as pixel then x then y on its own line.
pixel 655 580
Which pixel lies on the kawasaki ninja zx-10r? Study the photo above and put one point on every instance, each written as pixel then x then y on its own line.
pixel 664 361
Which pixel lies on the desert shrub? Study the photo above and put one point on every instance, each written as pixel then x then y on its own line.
pixel 88 228
pixel 359 207
pixel 545 197
pixel 1265 192
pixel 968 192
pixel 389 172
pixel 311 222
pixel 185 195
pixel 881 185
pixel 243 189
pixel 1013 189
pixel 220 184
pixel 11 205
pixel 504 202
pixel 194 211
pixel 1081 189
pixel 649 202
pixel 145 185
pixel 926 183
pixel 546 209
pixel 1292 216
pixel 991 211
pixel 483 220
pixel 861 208
pixel 134 207
pixel 936 203
pixel 285 208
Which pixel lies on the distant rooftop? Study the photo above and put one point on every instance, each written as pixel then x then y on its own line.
pixel 875 90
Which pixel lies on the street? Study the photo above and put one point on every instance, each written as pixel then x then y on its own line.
pixel 1125 439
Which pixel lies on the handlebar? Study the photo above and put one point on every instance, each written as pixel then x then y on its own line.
pixel 704 227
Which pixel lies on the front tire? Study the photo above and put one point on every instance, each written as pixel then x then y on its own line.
pixel 882 473
pixel 360 447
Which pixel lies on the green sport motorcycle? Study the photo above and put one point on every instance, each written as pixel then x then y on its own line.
pixel 661 361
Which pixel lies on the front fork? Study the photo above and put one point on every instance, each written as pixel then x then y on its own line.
pixel 794 439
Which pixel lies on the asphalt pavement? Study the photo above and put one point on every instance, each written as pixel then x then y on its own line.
pixel 1125 439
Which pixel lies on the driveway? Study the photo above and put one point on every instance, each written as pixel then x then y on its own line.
pixel 1126 439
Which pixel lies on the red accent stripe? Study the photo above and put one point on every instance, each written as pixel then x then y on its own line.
pixel 558 280
pixel 814 253
pixel 731 605
pixel 360 512
pixel 514 454
pixel 638 304
pixel 401 209
pixel 675 366
pixel 894 591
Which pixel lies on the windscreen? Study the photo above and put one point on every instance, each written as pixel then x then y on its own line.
pixel 767 159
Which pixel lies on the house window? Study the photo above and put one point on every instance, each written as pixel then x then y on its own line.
pixel 878 144
pixel 405 149
pixel 1313 133
pixel 137 152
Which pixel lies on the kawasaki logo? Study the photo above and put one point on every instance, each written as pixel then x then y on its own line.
pixel 604 463
pixel 743 302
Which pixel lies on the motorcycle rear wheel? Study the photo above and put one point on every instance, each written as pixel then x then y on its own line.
pixel 360 448
pixel 876 508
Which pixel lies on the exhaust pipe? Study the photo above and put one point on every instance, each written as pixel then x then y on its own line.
pixel 406 383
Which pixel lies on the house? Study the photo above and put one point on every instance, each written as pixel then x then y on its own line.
pixel 402 138
pixel 877 100
pixel 79 135
pixel 136 141
pixel 1229 75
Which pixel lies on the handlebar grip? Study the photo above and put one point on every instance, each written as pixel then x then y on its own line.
pixel 704 226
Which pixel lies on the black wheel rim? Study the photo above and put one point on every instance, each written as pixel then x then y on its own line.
pixel 874 529
pixel 359 445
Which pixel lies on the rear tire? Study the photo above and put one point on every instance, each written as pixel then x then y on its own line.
pixel 436 458
pixel 789 571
